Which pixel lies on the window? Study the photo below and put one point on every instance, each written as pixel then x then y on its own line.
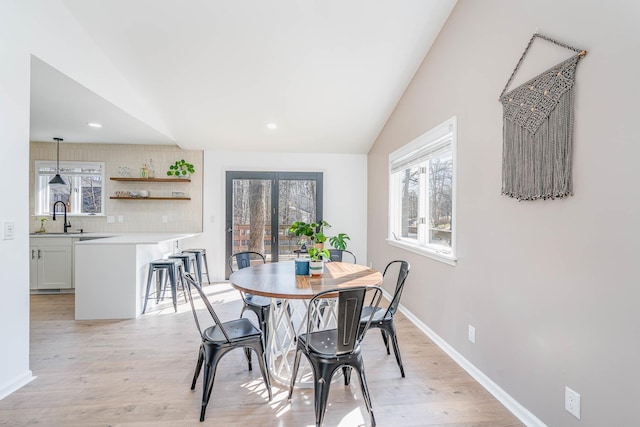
pixel 83 193
pixel 422 194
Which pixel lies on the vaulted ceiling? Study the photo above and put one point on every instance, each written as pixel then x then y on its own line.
pixel 327 73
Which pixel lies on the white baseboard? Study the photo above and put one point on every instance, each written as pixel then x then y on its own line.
pixel 502 396
pixel 7 388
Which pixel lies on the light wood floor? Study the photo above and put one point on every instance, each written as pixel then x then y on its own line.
pixel 138 373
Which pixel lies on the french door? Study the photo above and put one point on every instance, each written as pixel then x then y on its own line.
pixel 260 207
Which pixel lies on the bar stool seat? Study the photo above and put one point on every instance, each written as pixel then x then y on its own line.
pixel 201 260
pixel 174 269
pixel 190 262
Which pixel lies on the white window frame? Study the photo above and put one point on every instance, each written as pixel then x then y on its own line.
pixel 412 154
pixel 42 202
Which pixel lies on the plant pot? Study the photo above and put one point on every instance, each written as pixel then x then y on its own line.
pixel 316 268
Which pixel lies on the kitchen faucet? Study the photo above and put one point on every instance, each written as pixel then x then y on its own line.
pixel 67 225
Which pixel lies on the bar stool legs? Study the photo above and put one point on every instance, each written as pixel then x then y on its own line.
pixel 190 263
pixel 174 270
pixel 201 260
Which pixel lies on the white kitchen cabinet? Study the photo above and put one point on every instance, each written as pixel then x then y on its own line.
pixel 51 263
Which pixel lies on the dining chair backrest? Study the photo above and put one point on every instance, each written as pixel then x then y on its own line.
pixel 338 255
pixel 350 302
pixel 192 283
pixel 243 259
pixel 403 272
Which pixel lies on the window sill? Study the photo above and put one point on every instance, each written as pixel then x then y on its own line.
pixel 424 251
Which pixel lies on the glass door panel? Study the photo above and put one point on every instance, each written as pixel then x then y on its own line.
pixel 297 202
pixel 251 220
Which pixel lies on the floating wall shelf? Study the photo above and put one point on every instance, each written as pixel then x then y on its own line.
pixel 151 179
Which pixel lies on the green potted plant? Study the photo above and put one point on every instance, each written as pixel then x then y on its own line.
pixel 316 263
pixel 313 231
pixel 181 169
pixel 339 241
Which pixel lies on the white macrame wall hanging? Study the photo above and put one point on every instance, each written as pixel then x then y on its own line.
pixel 538 131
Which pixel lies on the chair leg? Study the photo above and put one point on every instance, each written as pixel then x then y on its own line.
pixel 146 298
pixel 174 288
pixel 198 368
pixel 262 361
pixel 321 392
pixel 346 373
pixel 206 267
pixel 247 353
pixel 385 339
pixel 396 350
pixel 263 318
pixel 365 393
pixel 294 372
pixel 210 367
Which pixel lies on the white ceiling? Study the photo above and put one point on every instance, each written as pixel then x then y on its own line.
pixel 327 72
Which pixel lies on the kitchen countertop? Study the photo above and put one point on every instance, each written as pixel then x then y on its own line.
pixel 138 239
pixel 117 239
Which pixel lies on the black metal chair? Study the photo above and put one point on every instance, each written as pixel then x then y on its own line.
pixel 258 304
pixel 337 348
pixel 338 255
pixel 218 340
pixel 383 318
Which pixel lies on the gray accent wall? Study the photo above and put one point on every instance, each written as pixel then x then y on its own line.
pixel 552 287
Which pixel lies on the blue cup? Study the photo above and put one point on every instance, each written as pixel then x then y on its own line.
pixel 302 266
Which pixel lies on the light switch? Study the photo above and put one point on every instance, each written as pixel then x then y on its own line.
pixel 8 228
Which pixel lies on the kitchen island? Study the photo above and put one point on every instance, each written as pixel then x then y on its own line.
pixel 111 273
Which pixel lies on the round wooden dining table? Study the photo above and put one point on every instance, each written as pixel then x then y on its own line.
pixel 290 295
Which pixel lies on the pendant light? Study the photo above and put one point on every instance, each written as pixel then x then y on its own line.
pixel 57 179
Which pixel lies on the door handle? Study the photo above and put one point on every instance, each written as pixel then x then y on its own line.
pixel 229 230
pixel 39 254
pixel 33 253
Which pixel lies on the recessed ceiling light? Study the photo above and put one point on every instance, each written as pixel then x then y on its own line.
pixel 94 125
pixel 272 126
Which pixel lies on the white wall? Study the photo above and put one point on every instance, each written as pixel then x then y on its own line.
pixel 345 195
pixel 43 28
pixel 550 286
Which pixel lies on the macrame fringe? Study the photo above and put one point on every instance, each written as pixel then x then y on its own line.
pixel 538 165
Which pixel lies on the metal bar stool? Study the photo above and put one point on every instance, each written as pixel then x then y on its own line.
pixel 201 260
pixel 175 270
pixel 190 263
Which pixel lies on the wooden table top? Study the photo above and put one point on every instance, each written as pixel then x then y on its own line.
pixel 278 280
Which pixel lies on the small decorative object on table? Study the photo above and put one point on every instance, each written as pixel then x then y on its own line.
pixel 316 260
pixel 181 169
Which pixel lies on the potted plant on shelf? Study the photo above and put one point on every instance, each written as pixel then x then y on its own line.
pixel 181 169
pixel 316 260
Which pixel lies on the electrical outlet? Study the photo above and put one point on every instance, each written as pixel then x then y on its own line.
pixel 165 219
pixel 472 334
pixel 120 218
pixel 9 229
pixel 572 402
